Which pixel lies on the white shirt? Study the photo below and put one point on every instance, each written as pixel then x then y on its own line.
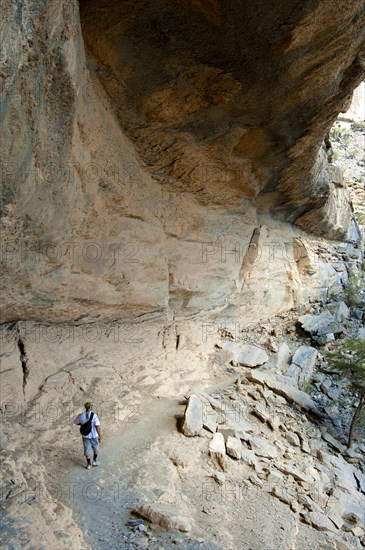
pixel 83 417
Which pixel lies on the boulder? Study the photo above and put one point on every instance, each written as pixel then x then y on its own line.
pixel 210 418
pixel 275 478
pixel 166 516
pixel 227 432
pixel 308 503
pixel 325 385
pixel 334 393
pixel 320 325
pixel 318 376
pixel 248 456
pixel 320 521
pixel 245 426
pixel 261 413
pixel 243 436
pixel 216 404
pixel 293 438
pixel 282 493
pixel 246 354
pixel 358 531
pixel 345 478
pixel 231 416
pixel 217 445
pixel 339 310
pixel 280 386
pixel 217 450
pixel 325 339
pixel 234 447
pixel 256 481
pixel 305 357
pixel 193 418
pixel 283 357
pixel 315 445
pixel 301 368
pixel 333 442
pixel 261 447
pixel 358 314
pixel 290 470
pixel 304 446
pixel 345 506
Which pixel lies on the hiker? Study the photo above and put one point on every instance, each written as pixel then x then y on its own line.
pixel 91 433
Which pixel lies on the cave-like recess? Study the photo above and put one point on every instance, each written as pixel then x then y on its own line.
pixel 252 87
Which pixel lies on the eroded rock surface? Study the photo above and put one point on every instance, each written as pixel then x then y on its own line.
pixel 243 107
pixel 155 156
pixel 141 177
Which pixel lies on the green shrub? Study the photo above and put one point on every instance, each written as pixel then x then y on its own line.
pixel 349 362
pixel 358 126
pixel 353 153
pixel 353 289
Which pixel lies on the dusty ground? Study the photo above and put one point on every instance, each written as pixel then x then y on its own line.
pixel 137 375
pixel 145 459
pixel 149 460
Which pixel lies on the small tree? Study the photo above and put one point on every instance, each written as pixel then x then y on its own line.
pixel 349 361
pixel 353 289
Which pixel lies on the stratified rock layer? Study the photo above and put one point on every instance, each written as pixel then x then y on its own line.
pixel 236 96
pixel 142 178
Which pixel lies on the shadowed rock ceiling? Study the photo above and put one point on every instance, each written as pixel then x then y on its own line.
pixel 231 100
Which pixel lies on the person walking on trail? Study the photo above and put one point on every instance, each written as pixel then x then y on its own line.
pixel 91 434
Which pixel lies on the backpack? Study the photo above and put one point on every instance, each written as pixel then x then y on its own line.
pixel 86 427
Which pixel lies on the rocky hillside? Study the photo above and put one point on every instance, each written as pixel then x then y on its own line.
pixel 347 139
pixel 171 214
pixel 265 444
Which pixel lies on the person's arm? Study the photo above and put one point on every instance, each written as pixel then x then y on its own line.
pixel 98 429
pixel 77 420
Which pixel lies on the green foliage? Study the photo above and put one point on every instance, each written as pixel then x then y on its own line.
pixel 353 289
pixel 340 134
pixel 353 153
pixel 361 219
pixel 349 362
pixel 335 156
pixel 358 126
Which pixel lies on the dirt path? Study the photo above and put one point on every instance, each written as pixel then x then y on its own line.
pixel 103 497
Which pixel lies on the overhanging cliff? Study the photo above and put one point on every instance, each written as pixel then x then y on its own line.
pixel 158 172
pixel 231 100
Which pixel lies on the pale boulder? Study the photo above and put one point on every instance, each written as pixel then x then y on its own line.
pixel 246 354
pixel 165 515
pixel 193 419
pixel 234 447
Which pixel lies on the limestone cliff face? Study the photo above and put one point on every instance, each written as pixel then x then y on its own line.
pixel 158 171
pixel 243 91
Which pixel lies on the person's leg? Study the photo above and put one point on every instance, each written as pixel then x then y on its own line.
pixel 87 450
pixel 95 446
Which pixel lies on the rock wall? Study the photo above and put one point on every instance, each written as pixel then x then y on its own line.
pixel 158 173
pixel 150 182
pixel 245 90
